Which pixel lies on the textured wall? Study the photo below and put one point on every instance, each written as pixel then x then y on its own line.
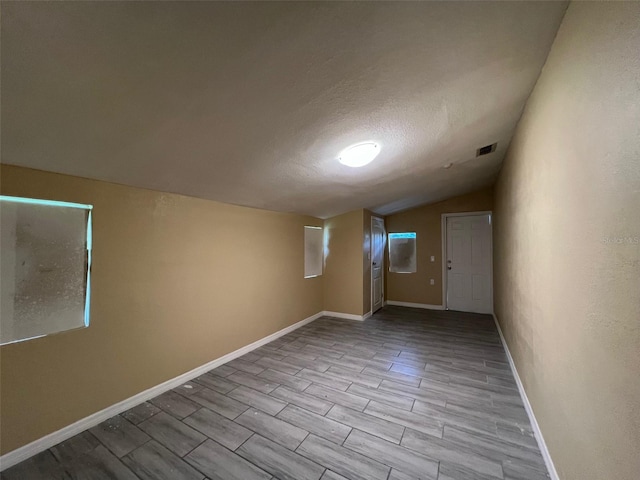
pixel 176 283
pixel 343 273
pixel 426 221
pixel 566 239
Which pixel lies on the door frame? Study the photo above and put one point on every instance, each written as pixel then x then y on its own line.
pixel 443 227
pixel 384 243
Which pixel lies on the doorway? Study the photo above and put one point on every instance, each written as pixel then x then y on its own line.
pixel 377 264
pixel 468 263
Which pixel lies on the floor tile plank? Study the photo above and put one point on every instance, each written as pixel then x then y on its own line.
pixel 219 403
pixel 354 377
pixel 450 471
pixel 455 419
pixel 216 383
pixel 290 381
pixel 257 399
pixel 252 381
pixel 222 371
pixel 342 460
pixel 219 463
pixel 390 398
pixel 278 365
pixel 424 424
pixel 119 435
pixel 336 396
pixel 494 448
pixel 218 428
pixel 324 427
pixel 172 433
pixel 99 464
pixel 279 461
pixel 324 379
pixel 141 412
pixel 445 451
pixel 414 392
pixel 304 400
pixel 329 475
pixel 154 462
pixel 367 423
pixel 42 466
pixel 244 366
pixel 281 432
pixel 175 404
pixel 412 463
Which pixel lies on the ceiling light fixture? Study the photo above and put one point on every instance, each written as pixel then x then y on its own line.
pixel 359 155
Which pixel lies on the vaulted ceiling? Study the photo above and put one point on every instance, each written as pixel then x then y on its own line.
pixel 250 103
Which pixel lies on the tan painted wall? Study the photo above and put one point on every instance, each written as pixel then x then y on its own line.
pixel 343 273
pixel 426 221
pixel 566 230
pixel 176 283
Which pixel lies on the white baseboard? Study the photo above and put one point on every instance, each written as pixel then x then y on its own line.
pixel 367 315
pixel 346 316
pixel 16 456
pixel 532 418
pixel 415 305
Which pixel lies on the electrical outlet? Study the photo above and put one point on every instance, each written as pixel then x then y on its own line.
pixel 433 282
pixel 433 259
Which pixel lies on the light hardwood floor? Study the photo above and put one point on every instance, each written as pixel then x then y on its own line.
pixel 407 394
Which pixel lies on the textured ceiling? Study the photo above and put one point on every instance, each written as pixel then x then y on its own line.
pixel 250 103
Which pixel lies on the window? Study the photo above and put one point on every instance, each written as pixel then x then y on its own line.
pixel 402 252
pixel 45 266
pixel 313 252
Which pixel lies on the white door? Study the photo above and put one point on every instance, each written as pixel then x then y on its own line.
pixel 377 263
pixel 469 282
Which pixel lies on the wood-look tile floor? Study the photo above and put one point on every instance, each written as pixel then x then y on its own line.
pixel 407 394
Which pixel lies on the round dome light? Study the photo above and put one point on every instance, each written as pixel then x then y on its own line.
pixel 359 155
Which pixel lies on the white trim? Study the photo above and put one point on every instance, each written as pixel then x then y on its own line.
pixel 346 316
pixel 366 315
pixel 18 455
pixel 415 305
pixel 443 229
pixel 527 405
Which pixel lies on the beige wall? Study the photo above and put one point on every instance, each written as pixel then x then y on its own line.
pixel 566 230
pixel 343 272
pixel 426 221
pixel 341 282
pixel 176 283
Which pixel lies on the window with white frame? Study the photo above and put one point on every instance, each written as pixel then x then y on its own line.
pixel 45 266
pixel 402 252
pixel 313 251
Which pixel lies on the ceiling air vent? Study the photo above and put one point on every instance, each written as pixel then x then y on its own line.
pixel 488 149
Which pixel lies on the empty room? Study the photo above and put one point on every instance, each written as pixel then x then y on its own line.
pixel 320 240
